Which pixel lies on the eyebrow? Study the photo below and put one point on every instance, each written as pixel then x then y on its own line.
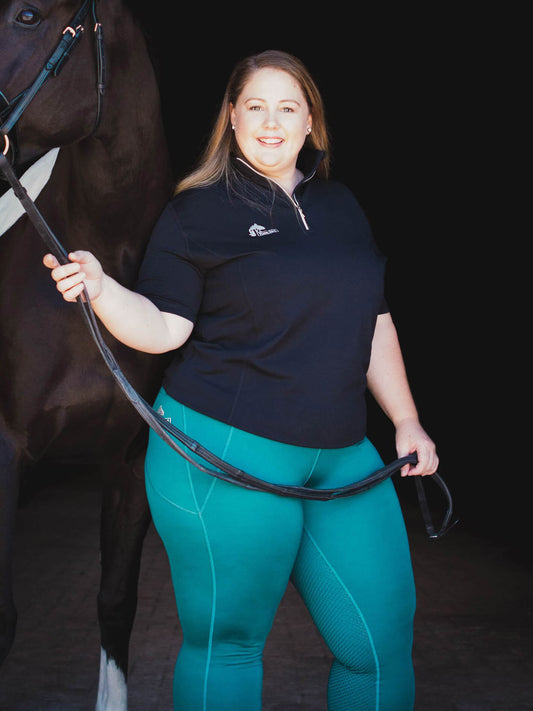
pixel 281 101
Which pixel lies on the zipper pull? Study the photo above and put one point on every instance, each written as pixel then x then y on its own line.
pixel 299 208
pixel 302 216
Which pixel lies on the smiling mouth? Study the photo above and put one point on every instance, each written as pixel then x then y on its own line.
pixel 270 141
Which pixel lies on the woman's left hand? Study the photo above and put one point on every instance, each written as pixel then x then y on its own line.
pixel 411 437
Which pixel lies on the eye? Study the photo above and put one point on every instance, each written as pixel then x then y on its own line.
pixel 28 17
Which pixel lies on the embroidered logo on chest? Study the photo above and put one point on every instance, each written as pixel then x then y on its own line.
pixel 256 230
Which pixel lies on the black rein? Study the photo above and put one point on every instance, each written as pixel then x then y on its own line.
pixel 168 432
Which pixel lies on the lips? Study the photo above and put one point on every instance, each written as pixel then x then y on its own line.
pixel 270 141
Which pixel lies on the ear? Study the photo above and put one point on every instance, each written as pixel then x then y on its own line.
pixel 232 113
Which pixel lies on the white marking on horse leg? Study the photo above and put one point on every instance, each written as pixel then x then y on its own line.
pixel 112 689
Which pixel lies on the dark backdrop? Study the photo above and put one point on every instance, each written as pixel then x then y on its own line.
pixel 407 103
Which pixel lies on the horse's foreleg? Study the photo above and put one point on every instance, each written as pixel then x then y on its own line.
pixel 124 523
pixel 8 506
pixel 112 689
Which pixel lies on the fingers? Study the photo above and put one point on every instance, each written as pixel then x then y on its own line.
pixel 68 277
pixel 411 438
pixel 70 286
pixel 428 463
pixel 78 257
pixel 50 261
pixel 73 292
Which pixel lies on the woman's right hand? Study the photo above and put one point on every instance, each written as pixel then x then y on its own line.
pixel 83 270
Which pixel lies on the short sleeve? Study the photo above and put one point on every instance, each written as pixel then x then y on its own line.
pixel 169 276
pixel 384 307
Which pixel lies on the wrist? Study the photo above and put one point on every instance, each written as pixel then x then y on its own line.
pixel 406 420
pixel 105 287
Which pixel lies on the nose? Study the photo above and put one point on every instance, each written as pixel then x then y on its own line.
pixel 270 118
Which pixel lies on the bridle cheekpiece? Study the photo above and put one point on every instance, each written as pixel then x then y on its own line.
pixel 11 111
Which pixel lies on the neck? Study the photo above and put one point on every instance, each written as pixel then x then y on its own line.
pixel 287 184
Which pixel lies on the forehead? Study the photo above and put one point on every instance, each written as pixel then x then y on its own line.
pixel 269 83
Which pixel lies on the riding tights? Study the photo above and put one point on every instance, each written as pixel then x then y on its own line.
pixel 232 552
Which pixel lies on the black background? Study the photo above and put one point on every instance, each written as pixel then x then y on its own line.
pixel 411 99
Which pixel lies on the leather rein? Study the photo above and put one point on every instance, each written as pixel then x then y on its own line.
pixel 218 468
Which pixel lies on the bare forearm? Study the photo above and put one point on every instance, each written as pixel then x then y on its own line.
pixel 129 316
pixel 387 381
pixel 136 321
pixel 387 377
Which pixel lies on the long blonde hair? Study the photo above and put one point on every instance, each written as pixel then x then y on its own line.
pixel 215 161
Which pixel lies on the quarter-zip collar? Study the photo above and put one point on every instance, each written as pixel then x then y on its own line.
pixel 308 162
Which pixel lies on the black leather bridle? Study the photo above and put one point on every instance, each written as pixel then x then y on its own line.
pixel 168 432
pixel 11 111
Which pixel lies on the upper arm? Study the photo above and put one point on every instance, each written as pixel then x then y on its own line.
pixel 385 339
pixel 171 275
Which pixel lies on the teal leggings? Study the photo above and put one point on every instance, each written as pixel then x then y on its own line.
pixel 232 552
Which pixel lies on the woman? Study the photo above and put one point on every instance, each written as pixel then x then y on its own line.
pixel 263 277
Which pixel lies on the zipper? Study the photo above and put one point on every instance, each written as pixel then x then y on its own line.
pixel 300 211
pixel 292 197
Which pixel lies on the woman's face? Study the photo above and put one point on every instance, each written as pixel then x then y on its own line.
pixel 271 119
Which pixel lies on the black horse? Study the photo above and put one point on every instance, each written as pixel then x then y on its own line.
pixel 109 181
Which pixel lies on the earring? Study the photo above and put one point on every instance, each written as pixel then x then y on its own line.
pixel 233 127
pixel 309 129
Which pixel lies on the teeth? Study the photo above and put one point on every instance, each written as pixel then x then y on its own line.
pixel 270 140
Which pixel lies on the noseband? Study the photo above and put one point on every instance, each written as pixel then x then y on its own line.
pixel 11 111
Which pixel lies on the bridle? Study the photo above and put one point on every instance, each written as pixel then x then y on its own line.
pixel 218 468
pixel 11 111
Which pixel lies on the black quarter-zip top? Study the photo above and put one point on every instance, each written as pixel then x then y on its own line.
pixel 292 198
pixel 284 291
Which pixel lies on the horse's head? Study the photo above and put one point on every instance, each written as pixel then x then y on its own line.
pixel 48 73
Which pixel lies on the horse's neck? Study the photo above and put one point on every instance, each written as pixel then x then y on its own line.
pixel 119 187
pixel 129 148
pixel 129 139
pixel 111 186
pixel 134 161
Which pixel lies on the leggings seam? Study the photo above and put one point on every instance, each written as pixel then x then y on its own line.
pixel 213 608
pixel 211 564
pixel 165 498
pixel 211 488
pixel 189 474
pixel 356 606
pixel 198 514
pixel 311 471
